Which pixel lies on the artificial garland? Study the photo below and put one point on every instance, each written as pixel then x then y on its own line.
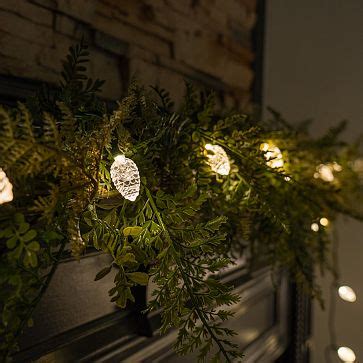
pixel 178 194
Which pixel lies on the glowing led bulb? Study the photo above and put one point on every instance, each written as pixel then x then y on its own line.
pixel 272 154
pixel 264 146
pixel 325 171
pixel 324 221
pixel 6 188
pixel 218 159
pixel 337 167
pixel 347 293
pixel 315 227
pixel 125 176
pixel 346 354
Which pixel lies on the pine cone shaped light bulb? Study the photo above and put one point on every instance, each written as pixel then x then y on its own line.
pixel 125 176
pixel 6 188
pixel 218 159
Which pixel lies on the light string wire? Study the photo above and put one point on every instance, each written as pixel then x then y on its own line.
pixel 332 346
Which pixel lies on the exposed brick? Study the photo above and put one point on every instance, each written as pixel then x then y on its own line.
pixel 189 73
pixel 151 16
pixel 250 4
pixel 239 34
pixel 50 4
pixel 44 63
pixel 133 35
pixel 182 7
pixel 51 57
pixel 110 43
pixel 242 11
pixel 26 29
pixel 153 75
pixel 136 52
pixel 161 41
pixel 201 51
pixel 107 68
pixel 101 65
pixel 29 11
pixel 83 10
pixel 15 63
pixel 65 25
pixel 234 48
pixel 75 29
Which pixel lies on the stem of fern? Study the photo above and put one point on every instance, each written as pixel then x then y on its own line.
pixel 178 262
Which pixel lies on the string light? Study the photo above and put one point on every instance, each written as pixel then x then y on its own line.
pixel 325 171
pixel 272 154
pixel 346 354
pixel 6 188
pixel 324 221
pixel 337 167
pixel 218 159
pixel 125 176
pixel 347 293
pixel 315 227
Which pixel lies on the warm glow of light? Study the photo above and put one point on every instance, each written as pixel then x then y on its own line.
pixel 315 227
pixel 218 159
pixel 347 293
pixel 125 176
pixel 346 354
pixel 324 221
pixel 287 178
pixel 264 146
pixel 325 173
pixel 6 188
pixel 337 167
pixel 272 154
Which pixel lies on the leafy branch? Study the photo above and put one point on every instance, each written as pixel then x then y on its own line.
pixel 214 330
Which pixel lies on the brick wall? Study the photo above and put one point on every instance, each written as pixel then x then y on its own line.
pixel 161 42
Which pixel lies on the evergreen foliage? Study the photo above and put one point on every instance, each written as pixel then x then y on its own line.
pixel 188 223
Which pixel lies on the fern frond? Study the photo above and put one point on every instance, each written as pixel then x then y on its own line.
pixel 166 102
pixel 25 125
pixel 182 277
pixel 50 131
pixel 6 131
pixel 68 124
pixel 72 66
pixel 46 205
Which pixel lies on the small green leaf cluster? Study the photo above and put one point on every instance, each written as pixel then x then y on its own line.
pixel 21 240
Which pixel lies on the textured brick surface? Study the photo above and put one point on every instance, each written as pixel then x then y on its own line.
pixel 27 10
pixel 160 42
